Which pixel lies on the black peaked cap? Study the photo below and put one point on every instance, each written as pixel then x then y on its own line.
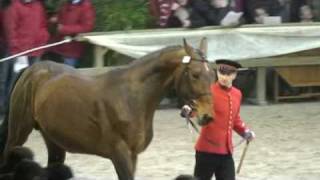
pixel 229 62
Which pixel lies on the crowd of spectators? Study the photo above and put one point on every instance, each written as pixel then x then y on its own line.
pixel 198 13
pixel 25 24
pixel 28 25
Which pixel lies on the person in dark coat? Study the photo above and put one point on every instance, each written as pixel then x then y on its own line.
pixel 160 10
pixel 270 7
pixel 74 17
pixel 213 10
pixel 185 15
pixel 3 69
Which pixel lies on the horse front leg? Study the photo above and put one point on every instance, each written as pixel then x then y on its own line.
pixel 55 153
pixel 134 158
pixel 124 161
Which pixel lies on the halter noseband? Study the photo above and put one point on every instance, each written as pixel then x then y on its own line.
pixel 191 97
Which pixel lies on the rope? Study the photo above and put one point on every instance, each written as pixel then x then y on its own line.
pixel 66 40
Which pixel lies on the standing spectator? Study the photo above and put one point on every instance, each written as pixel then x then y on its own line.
pixel 26 27
pixel 214 146
pixel 74 17
pixel 237 5
pixel 161 11
pixel 213 10
pixel 259 14
pixel 295 9
pixel 254 8
pixel 306 14
pixel 219 11
pixel 315 4
pixel 3 68
pixel 284 10
pixel 185 15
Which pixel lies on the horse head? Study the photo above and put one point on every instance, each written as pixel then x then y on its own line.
pixel 193 80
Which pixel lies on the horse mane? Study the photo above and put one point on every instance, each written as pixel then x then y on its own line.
pixel 154 55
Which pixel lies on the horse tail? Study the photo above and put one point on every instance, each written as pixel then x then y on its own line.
pixel 5 123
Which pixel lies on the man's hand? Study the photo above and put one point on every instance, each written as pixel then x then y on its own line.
pixel 186 23
pixel 186 111
pixel 53 19
pixel 249 135
pixel 60 26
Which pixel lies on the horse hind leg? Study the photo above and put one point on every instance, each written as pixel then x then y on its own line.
pixel 18 133
pixel 55 153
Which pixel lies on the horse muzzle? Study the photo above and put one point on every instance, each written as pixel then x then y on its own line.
pixel 204 120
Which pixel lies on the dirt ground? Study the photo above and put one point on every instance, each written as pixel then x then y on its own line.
pixel 287 147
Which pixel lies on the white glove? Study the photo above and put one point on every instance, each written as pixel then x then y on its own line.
pixel 249 135
pixel 186 111
pixel 20 63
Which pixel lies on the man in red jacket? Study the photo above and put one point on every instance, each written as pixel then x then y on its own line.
pixel 214 146
pixel 74 17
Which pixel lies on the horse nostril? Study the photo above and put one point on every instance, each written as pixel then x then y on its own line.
pixel 206 117
pixel 205 120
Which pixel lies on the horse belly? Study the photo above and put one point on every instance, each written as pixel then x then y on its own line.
pixel 68 119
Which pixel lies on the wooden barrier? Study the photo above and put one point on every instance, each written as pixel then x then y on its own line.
pixel 309 58
pixel 260 65
pixel 305 58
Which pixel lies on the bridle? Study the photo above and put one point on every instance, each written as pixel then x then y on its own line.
pixel 190 97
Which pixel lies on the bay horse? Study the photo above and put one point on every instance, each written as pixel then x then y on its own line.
pixel 109 115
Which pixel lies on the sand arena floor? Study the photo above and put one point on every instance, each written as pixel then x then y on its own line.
pixel 287 147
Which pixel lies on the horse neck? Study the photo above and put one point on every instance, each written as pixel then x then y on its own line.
pixel 157 76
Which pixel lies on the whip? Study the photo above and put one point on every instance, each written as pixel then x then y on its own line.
pixel 243 156
pixel 66 40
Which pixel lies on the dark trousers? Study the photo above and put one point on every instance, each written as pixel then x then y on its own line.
pixel 207 164
pixel 7 78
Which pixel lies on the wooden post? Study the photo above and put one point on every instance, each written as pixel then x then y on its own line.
pixel 276 90
pixel 99 53
pixel 261 86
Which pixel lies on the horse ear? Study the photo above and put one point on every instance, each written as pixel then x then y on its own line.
pixel 204 45
pixel 187 47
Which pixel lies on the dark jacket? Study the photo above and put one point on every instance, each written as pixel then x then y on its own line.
pixel 196 19
pixel 212 15
pixel 272 7
pixel 1 30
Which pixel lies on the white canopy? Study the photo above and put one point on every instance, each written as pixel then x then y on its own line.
pixel 232 43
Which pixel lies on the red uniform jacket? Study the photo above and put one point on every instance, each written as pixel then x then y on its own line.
pixel 75 19
pixel 25 26
pixel 216 137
